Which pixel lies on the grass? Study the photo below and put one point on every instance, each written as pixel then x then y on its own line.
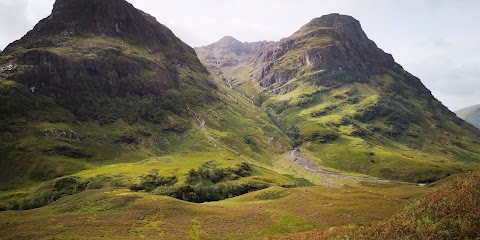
pixel 342 117
pixel 449 212
pixel 327 126
pixel 271 212
pixel 79 154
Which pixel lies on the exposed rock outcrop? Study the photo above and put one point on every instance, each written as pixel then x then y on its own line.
pixel 331 43
pixel 228 52
pixel 98 45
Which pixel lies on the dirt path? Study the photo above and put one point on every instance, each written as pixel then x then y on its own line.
pixel 313 166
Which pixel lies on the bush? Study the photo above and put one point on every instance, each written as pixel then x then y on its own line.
pixel 104 181
pixel 50 192
pixel 152 181
pixel 242 170
pixel 210 172
pixel 207 183
pixel 205 192
pixel 449 212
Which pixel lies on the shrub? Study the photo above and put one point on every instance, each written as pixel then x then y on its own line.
pixel 207 172
pixel 242 170
pixel 450 212
pixel 207 183
pixel 152 181
pixel 50 192
pixel 205 192
pixel 211 172
pixel 105 180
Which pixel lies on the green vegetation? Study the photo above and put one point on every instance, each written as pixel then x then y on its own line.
pixel 271 212
pixel 450 212
pixel 383 123
pixel 120 135
pixel 358 128
pixel 208 183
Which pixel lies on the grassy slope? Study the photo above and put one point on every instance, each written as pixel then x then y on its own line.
pixel 42 139
pixel 323 120
pixel 276 211
pixel 384 126
pixel 234 123
pixel 229 130
pixel 450 212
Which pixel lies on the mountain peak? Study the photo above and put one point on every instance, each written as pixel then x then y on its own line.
pixel 100 41
pixel 229 44
pixel 333 20
pixel 329 43
pixel 344 25
pixel 105 18
pixel 228 39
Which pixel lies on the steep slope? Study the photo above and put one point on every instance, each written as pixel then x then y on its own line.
pixel 231 62
pixel 347 103
pixel 100 83
pixel 470 114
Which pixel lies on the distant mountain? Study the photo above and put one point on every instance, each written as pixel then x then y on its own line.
pixel 470 114
pixel 347 103
pixel 232 61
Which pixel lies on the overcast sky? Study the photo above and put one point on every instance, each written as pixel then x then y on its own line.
pixel 436 40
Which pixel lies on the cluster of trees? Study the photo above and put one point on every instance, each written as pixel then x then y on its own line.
pixel 51 191
pixel 207 183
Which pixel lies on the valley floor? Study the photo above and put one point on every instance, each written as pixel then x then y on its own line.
pixel 272 212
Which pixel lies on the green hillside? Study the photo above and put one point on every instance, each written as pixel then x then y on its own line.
pixel 345 102
pixel 81 103
pixel 112 127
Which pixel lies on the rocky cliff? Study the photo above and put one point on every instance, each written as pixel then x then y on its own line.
pixel 330 43
pixel 228 52
pixel 231 62
pixel 95 49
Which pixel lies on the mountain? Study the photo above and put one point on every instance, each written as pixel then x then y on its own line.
pixel 232 61
pixel 470 114
pixel 349 105
pixel 111 127
pixel 99 83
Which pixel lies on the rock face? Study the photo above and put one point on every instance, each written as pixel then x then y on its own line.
pixel 228 52
pixel 106 18
pixel 471 115
pixel 104 46
pixel 331 43
pixel 231 61
pixel 98 62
